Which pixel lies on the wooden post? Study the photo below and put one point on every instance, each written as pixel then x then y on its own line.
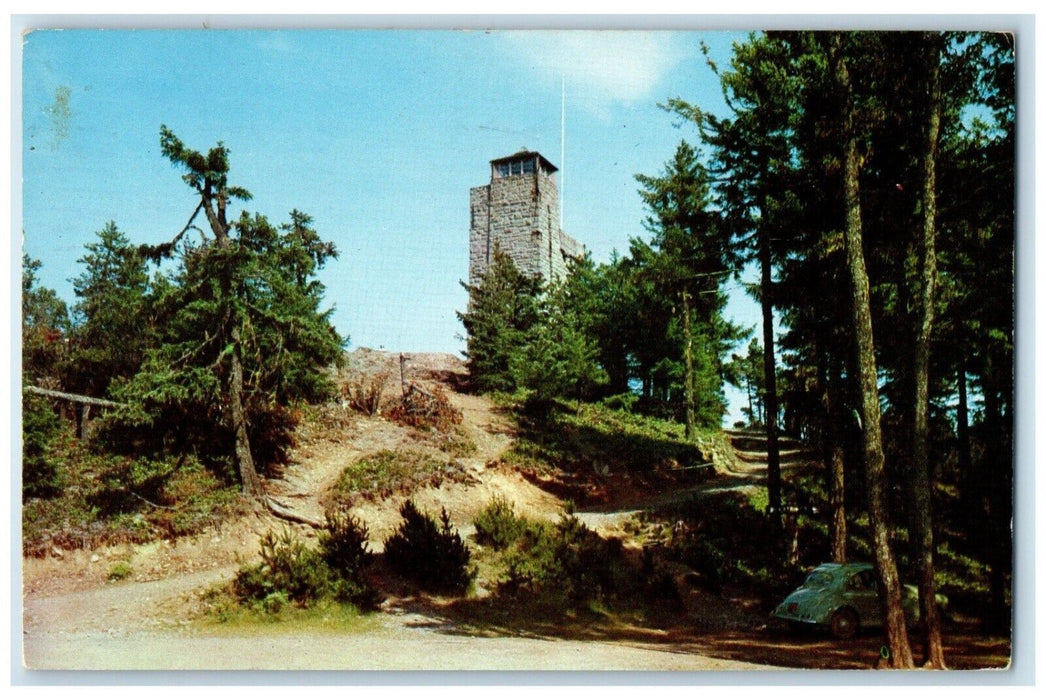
pixel 403 374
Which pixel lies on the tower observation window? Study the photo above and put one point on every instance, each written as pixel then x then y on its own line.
pixel 516 167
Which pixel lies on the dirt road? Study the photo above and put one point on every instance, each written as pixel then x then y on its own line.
pixel 144 626
pixel 395 646
pixel 75 619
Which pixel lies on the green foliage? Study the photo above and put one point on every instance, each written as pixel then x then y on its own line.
pixel 192 499
pixel 41 467
pixel 112 322
pixel 503 308
pixel 456 443
pixel 176 397
pixel 748 372
pixel 430 554
pixel 686 263
pixel 576 439
pixel 497 525
pixel 343 544
pixel 45 326
pixel 109 499
pixel 291 572
pixel 288 569
pixel 565 561
pixel 119 571
pixel 558 358
pixel 621 402
pixel 240 334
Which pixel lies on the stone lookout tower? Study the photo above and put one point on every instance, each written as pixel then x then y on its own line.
pixel 518 213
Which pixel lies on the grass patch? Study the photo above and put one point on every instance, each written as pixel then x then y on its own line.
pixel 456 443
pixel 222 611
pixel 381 474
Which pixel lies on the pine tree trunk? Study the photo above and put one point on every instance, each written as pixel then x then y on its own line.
pixel 900 655
pixel 967 479
pixel 835 462
pixel 921 511
pixel 249 478
pixel 773 453
pixel 688 360
pixel 996 478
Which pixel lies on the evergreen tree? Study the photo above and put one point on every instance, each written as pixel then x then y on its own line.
pixel 840 53
pixel 45 325
pixel 241 333
pixel 747 373
pixel 503 309
pixel 559 356
pixel 692 258
pixel 112 327
pixel 752 156
pixel 45 329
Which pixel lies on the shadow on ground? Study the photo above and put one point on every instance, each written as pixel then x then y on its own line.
pixel 748 637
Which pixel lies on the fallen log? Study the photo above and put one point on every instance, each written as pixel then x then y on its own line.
pixel 76 398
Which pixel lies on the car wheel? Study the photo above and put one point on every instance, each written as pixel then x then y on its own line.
pixel 844 623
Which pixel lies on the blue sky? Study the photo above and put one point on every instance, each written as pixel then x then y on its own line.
pixel 377 134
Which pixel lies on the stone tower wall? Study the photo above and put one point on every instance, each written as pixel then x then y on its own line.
pixel 519 214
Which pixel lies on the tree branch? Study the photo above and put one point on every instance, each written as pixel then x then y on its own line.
pixel 163 250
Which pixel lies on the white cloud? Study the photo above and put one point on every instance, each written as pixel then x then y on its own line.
pixel 601 67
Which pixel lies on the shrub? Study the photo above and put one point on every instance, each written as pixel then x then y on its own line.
pixel 193 499
pixel 566 560
pixel 497 525
pixel 433 556
pixel 343 544
pixel 288 567
pixel 621 402
pixel 114 499
pixel 119 571
pixel 420 409
pixel 291 572
pixel 363 393
pixel 456 444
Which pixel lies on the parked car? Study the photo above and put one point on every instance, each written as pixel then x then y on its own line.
pixel 843 598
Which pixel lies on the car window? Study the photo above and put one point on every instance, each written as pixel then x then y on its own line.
pixel 862 581
pixel 818 578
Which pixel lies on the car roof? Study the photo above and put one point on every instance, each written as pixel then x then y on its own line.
pixel 836 567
